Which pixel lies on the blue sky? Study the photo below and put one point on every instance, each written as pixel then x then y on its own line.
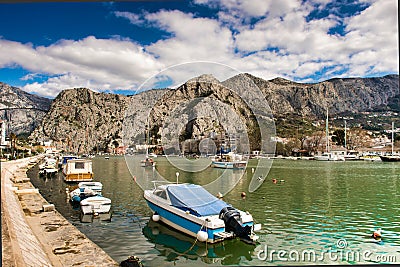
pixel 118 46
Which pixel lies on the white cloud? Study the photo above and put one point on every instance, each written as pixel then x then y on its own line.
pixel 133 18
pixel 193 38
pixel 110 63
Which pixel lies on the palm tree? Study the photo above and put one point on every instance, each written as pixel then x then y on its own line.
pixel 13 138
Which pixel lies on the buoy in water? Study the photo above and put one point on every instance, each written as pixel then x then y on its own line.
pixel 274 181
pixel 377 234
pixel 202 236
pixel 155 217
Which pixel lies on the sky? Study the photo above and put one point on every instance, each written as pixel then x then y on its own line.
pixel 119 47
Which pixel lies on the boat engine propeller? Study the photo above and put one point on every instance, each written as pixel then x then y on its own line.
pixel 231 218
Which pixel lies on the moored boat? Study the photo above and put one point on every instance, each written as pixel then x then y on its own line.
pixel 85 190
pixel 78 170
pixel 148 162
pixel 191 209
pixel 390 158
pixel 229 161
pixel 96 205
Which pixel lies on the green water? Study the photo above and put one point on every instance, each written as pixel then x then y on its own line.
pixel 329 208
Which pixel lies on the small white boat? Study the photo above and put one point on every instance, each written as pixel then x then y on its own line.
pixel 191 209
pixel 96 205
pixel 85 190
pixel 329 157
pixel 80 194
pixel 48 166
pixel 229 161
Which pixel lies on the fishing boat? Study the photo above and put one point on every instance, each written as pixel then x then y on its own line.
pixel 229 161
pixel 96 205
pixel 191 209
pixel 85 190
pixel 78 170
pixel 64 160
pixel 392 157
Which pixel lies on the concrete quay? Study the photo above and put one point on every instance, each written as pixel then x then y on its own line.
pixel 33 232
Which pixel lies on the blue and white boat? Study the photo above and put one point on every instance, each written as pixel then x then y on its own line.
pixel 229 161
pixel 192 210
pixel 85 190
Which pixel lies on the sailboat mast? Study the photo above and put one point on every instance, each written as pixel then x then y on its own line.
pixel 327 132
pixel 392 137
pixel 345 135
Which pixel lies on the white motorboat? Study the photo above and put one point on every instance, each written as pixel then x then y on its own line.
pixel 229 161
pixel 96 205
pixel 85 190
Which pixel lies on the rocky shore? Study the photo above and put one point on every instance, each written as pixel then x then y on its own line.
pixel 33 232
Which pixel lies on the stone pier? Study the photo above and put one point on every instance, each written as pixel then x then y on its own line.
pixel 33 232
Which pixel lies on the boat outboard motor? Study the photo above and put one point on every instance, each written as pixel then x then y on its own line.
pixel 231 218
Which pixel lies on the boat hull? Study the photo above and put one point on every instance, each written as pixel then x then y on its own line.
pixel 229 165
pixel 185 225
pixel 390 158
pixel 95 205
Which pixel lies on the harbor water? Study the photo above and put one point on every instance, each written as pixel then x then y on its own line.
pixel 313 213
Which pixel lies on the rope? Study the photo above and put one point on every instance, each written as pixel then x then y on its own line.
pixel 194 243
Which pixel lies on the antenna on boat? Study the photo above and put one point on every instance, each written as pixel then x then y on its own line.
pixel 177 176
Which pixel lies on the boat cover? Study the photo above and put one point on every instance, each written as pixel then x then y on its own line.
pixel 195 199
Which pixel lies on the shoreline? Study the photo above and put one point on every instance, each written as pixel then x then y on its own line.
pixel 34 233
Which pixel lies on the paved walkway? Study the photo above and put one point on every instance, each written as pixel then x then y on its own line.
pixel 32 237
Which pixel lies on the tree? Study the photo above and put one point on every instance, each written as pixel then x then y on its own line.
pixel 338 137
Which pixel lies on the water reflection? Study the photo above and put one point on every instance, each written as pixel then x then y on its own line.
pixel 174 245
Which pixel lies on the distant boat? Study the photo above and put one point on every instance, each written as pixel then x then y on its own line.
pixel 148 162
pixel 229 161
pixel 48 167
pixel 370 157
pixel 191 209
pixel 78 170
pixel 393 157
pixel 390 158
pixel 327 156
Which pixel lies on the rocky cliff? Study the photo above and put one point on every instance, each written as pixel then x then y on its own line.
pixel 338 95
pixel 82 121
pixel 22 111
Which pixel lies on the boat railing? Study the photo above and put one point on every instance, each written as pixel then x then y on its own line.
pixel 157 183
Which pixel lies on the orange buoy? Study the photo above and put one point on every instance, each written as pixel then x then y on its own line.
pixel 377 234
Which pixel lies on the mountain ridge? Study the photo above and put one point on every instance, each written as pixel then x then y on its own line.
pixel 82 120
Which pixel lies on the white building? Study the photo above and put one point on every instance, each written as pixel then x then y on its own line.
pixel 3 141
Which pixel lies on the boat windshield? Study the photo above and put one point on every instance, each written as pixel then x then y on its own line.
pixel 195 199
